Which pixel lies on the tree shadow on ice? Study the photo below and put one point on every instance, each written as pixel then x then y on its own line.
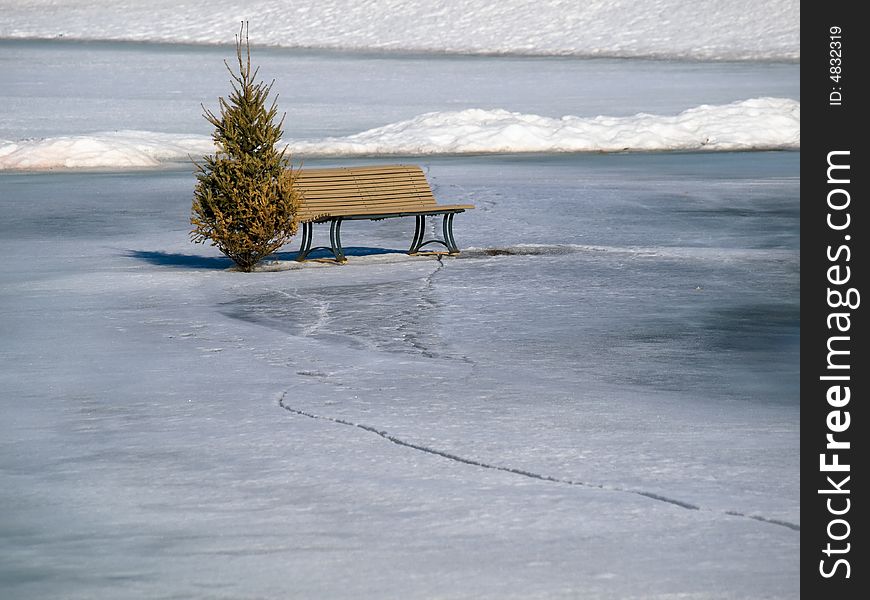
pixel 176 259
pixel 197 261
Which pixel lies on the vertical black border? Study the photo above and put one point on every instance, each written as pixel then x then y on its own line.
pixel 827 126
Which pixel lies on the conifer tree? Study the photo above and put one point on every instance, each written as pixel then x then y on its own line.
pixel 244 201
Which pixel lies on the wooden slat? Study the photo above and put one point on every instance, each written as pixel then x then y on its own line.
pixel 365 190
pixel 352 184
pixel 343 174
pixel 350 211
pixel 373 190
pixel 346 199
pixel 386 172
pixel 351 179
pixel 331 171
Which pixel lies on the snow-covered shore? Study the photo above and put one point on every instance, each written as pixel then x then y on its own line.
pixel 757 124
pixel 705 29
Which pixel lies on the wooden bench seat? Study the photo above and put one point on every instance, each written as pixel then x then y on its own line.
pixel 379 192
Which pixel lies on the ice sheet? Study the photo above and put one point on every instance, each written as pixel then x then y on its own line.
pixel 599 397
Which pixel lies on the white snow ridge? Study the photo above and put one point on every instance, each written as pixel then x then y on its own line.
pixel 702 29
pixel 755 124
pixel 111 149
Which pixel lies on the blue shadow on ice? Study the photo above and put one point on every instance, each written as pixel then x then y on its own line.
pixel 348 251
pixel 174 259
pixel 196 261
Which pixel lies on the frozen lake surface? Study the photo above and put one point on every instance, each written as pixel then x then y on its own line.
pixel 60 88
pixel 597 399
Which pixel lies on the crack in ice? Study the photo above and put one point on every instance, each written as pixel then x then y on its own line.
pixel 522 472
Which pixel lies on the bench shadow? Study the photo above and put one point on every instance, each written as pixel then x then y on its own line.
pixel 348 251
pixel 196 261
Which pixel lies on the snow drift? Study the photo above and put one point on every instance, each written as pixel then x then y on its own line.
pixel 755 124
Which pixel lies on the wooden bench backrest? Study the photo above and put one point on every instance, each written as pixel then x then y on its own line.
pixel 362 190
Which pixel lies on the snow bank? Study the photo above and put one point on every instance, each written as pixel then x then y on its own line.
pixel 755 124
pixel 113 149
pixel 704 29
pixel 760 123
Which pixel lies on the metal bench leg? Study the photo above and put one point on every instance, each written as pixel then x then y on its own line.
pixel 446 230
pixel 447 227
pixel 335 240
pixel 305 246
pixel 419 232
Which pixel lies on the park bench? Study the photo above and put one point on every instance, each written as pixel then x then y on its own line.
pixel 380 192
